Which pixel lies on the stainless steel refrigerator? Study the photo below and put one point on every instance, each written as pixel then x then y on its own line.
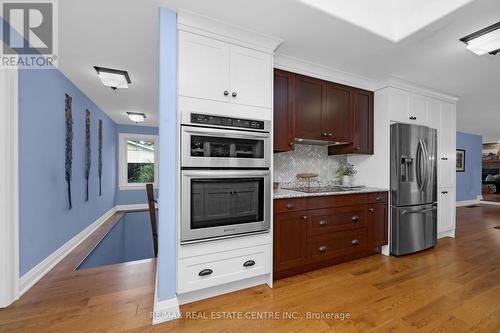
pixel 413 188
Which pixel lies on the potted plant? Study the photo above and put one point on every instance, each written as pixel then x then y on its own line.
pixel 345 173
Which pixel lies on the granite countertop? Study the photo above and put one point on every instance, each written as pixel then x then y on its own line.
pixel 284 194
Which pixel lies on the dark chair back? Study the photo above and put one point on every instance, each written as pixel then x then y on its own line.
pixel 152 215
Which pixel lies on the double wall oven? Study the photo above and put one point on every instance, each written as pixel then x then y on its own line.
pixel 226 181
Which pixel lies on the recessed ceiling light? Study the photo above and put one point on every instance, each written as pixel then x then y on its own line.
pixel 113 78
pixel 484 41
pixel 136 117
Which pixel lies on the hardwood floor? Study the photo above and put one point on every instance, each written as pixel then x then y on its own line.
pixel 491 197
pixel 453 288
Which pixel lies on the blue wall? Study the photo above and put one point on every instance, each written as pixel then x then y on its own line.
pixel 130 197
pixel 45 221
pixel 167 196
pixel 469 182
pixel 130 239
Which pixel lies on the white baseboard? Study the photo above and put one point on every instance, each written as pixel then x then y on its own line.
pixel 166 310
pixel 449 233
pixel 467 203
pixel 39 271
pixel 492 203
pixel 222 289
pixel 131 207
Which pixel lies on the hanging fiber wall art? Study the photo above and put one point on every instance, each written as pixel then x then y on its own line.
pixel 87 152
pixel 68 165
pixel 100 156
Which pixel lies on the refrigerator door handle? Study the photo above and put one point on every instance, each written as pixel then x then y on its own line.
pixel 420 211
pixel 425 164
pixel 418 166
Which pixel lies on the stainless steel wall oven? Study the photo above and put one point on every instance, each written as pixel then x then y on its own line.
pixel 226 182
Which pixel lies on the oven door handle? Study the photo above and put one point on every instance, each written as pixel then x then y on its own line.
pixel 226 173
pixel 224 132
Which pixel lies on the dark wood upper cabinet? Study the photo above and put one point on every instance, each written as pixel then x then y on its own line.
pixel 337 112
pixel 284 92
pixel 362 142
pixel 308 101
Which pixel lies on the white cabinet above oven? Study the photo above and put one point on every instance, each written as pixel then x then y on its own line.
pixel 220 71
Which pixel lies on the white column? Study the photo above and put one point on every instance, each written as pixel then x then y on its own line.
pixel 9 188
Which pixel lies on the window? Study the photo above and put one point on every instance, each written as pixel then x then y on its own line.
pixel 138 160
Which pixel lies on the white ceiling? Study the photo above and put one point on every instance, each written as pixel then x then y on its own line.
pixel 123 34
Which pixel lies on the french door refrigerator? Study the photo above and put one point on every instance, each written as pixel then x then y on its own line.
pixel 413 188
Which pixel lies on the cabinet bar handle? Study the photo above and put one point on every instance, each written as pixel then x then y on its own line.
pixel 248 263
pixel 355 242
pixel 355 218
pixel 371 209
pixel 444 158
pixel 322 248
pixel 330 134
pixel 304 217
pixel 444 192
pixel 205 272
pixel 378 198
pixel 290 205
pixel 324 134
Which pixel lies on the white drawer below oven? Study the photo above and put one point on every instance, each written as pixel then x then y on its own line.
pixel 211 270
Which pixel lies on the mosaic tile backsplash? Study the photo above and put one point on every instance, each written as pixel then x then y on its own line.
pixel 305 158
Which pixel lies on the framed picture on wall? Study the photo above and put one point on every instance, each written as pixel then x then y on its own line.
pixel 460 160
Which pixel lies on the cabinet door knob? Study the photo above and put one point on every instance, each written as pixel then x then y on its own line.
pixel 248 263
pixel 205 272
pixel 226 92
pixel 291 144
pixel 330 134
pixel 355 242
pixel 322 248
pixel 323 222
pixel 324 134
pixel 444 192
pixel 444 158
pixel 233 94
pixel 357 148
pixel 371 209
pixel 290 205
pixel 355 218
pixel 305 217
pixel 378 198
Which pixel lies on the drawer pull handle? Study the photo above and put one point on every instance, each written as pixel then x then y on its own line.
pixel 248 263
pixel 322 248
pixel 355 218
pixel 205 272
pixel 305 217
pixel 323 222
pixel 378 198
pixel 444 158
pixel 290 205
pixel 371 209
pixel 444 192
pixel 355 242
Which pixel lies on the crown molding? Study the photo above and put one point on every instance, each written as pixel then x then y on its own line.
pixel 206 26
pixel 398 83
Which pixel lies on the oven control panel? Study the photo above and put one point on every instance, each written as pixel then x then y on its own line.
pixel 197 118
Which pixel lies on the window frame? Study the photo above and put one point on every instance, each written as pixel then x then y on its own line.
pixel 123 164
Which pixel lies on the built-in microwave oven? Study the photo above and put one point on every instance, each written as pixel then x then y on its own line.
pixel 223 142
pixel 223 203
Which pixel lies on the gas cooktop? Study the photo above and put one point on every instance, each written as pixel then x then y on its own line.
pixel 321 189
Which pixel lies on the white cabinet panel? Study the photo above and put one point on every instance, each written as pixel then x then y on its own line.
pixel 250 77
pixel 203 67
pixel 399 103
pixel 418 113
pixel 446 210
pixel 446 146
pixel 434 113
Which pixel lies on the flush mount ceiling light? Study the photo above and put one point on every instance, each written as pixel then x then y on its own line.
pixel 484 41
pixel 113 78
pixel 136 117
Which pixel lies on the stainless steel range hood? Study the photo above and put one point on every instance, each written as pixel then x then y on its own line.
pixel 319 142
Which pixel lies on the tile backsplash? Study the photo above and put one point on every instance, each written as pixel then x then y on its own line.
pixel 305 158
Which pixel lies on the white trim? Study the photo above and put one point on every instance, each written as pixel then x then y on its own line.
pixel 308 68
pixel 222 289
pixel 467 203
pixel 165 310
pixel 139 187
pixel 415 88
pixel 123 184
pixel 209 27
pixel 492 203
pixel 39 271
pixel 120 208
pixel 449 233
pixel 9 190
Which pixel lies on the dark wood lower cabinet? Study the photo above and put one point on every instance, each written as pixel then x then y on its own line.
pixel 315 232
